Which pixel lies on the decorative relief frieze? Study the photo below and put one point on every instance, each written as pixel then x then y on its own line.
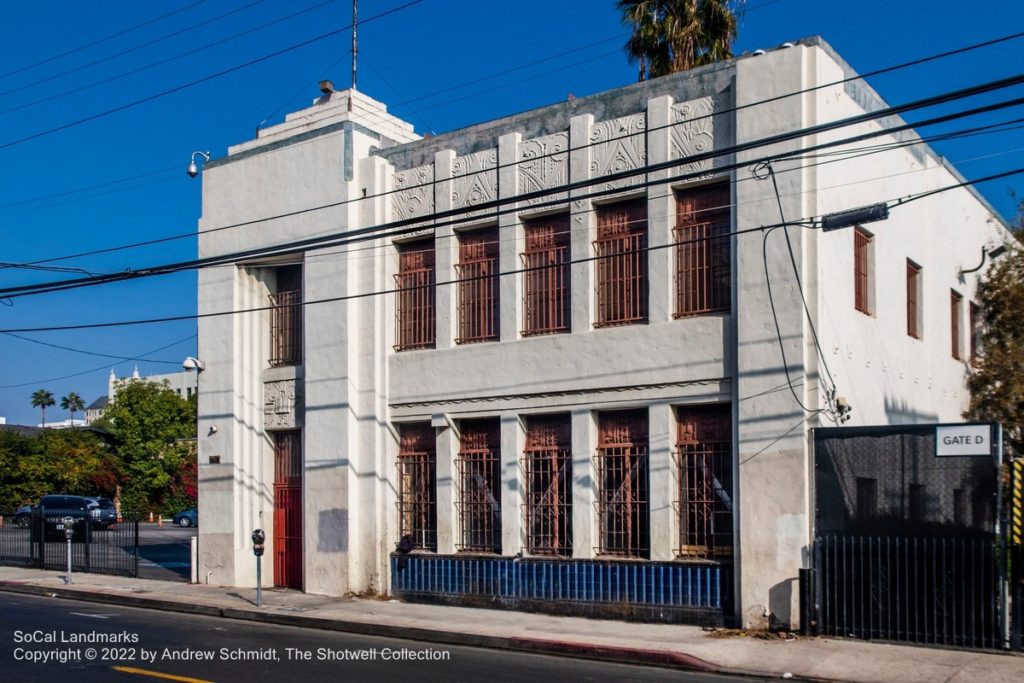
pixel 413 195
pixel 619 145
pixel 697 129
pixel 281 405
pixel 474 179
pixel 544 165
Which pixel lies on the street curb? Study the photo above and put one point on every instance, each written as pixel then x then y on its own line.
pixel 608 653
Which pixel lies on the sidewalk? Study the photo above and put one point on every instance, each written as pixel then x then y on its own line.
pixel 686 647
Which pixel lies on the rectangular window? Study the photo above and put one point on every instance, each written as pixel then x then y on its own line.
pixel 546 276
pixel 914 327
pixel 286 317
pixel 417 482
pixel 704 448
pixel 955 313
pixel 547 463
pixel 621 250
pixel 916 504
pixel 862 270
pixel 703 261
pixel 976 331
pixel 479 472
pixel 478 286
pixel 623 501
pixel 415 292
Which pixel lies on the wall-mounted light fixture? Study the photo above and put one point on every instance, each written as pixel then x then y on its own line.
pixel 193 170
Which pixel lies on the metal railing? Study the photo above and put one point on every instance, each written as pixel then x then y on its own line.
pixel 621 279
pixel 477 271
pixel 547 466
pixel 546 291
pixel 40 542
pixel 479 501
pixel 286 328
pixel 622 504
pixel 417 486
pixel 926 590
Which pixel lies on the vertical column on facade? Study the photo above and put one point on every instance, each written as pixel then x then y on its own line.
pixel 660 215
pixel 508 237
pixel 447 447
pixel 664 522
pixel 584 483
pixel 513 441
pixel 446 251
pixel 582 225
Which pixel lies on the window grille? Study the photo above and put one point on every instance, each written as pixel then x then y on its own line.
pixel 546 276
pixel 479 500
pixel 976 331
pixel 478 286
pixel 415 297
pixel 704 453
pixel 621 250
pixel 547 463
pixel 955 312
pixel 623 500
pixel 286 317
pixel 913 299
pixel 288 457
pixel 703 267
pixel 417 480
pixel 861 270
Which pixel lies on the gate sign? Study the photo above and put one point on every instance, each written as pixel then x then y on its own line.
pixel 969 440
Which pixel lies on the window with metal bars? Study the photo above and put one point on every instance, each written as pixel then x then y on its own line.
pixel 286 317
pixel 914 326
pixel 704 458
pixel 547 465
pixel 862 270
pixel 976 321
pixel 955 313
pixel 477 270
pixel 703 260
pixel 415 292
pixel 623 487
pixel 546 276
pixel 417 484
pixel 621 250
pixel 479 500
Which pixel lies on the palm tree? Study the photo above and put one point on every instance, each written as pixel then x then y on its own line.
pixel 72 403
pixel 676 35
pixel 41 398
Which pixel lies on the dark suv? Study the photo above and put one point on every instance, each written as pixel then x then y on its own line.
pixel 55 508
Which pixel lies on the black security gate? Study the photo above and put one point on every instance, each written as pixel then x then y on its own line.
pixel 906 547
pixel 38 540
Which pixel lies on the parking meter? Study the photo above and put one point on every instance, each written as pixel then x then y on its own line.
pixel 258 539
pixel 69 531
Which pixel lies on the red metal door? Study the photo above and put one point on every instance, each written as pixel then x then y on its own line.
pixel 288 510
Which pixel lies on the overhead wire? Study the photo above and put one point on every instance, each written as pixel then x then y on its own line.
pixel 330 240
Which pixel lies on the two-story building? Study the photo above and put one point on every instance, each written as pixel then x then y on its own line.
pixel 571 356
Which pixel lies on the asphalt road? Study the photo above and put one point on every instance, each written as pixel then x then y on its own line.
pixel 161 645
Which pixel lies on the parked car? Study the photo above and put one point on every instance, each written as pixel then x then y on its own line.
pixel 55 508
pixel 22 516
pixel 187 518
pixel 103 512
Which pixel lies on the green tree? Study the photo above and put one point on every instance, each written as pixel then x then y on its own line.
pixel 41 398
pixel 72 403
pixel 54 461
pixel 996 382
pixel 676 35
pixel 153 431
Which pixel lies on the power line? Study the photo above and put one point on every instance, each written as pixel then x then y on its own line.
pixel 806 222
pixel 99 40
pixel 198 81
pixel 376 231
pixel 167 60
pixel 88 353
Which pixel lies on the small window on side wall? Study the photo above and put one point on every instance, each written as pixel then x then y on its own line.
pixel 863 271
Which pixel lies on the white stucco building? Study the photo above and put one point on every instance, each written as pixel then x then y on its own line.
pixel 545 343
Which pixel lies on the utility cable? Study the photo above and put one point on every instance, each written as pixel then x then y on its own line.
pixel 198 81
pixel 89 353
pixel 331 240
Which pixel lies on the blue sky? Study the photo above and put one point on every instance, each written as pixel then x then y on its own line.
pixel 440 64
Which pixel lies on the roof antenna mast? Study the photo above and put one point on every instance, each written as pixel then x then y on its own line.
pixel 355 23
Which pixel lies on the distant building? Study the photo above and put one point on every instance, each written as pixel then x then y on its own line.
pixel 185 384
